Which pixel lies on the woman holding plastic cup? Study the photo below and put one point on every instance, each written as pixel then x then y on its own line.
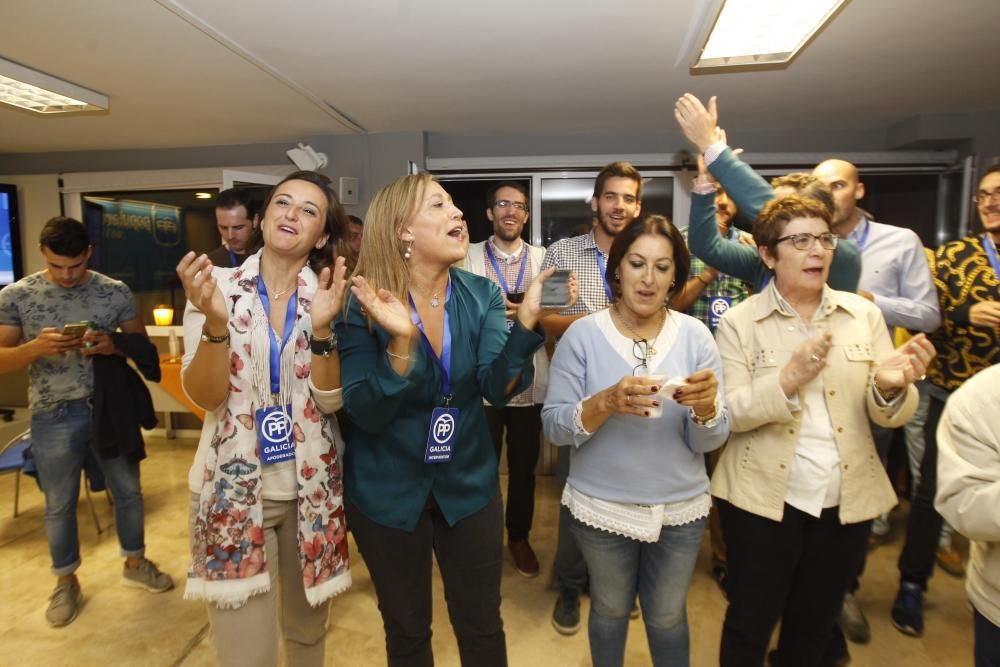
pixel 634 390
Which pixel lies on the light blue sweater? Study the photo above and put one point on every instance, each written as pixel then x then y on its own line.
pixel 632 459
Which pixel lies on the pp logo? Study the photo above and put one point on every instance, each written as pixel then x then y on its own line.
pixel 719 307
pixel 275 427
pixel 442 428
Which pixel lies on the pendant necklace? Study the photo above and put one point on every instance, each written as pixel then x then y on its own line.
pixel 650 347
pixel 434 300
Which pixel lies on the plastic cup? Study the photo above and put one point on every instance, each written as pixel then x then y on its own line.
pixel 655 411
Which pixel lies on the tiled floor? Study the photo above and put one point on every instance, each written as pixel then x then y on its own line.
pixel 128 627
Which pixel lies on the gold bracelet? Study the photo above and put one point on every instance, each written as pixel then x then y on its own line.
pixel 403 357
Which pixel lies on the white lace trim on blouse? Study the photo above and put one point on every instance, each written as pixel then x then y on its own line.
pixel 638 522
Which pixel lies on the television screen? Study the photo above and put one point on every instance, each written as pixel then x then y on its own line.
pixel 10 241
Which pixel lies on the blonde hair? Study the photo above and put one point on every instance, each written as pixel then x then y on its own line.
pixel 381 259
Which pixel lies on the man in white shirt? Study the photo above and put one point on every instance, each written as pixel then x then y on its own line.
pixel 511 263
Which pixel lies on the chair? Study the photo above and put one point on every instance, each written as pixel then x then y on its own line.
pixel 12 459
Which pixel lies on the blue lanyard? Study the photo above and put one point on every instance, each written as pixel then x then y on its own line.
pixel 496 267
pixel 767 279
pixel 444 362
pixel 862 241
pixel 991 253
pixel 604 270
pixel 232 259
pixel 275 361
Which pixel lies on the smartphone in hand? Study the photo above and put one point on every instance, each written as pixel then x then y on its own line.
pixel 555 290
pixel 76 329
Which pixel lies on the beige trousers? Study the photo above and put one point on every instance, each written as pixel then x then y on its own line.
pixel 248 636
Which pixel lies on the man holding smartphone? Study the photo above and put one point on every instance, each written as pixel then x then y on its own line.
pixel 616 202
pixel 511 263
pixel 40 317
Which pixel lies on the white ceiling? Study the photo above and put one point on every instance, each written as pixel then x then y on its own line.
pixel 211 72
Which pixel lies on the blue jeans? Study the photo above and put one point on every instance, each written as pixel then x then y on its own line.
pixel 660 572
pixel 60 440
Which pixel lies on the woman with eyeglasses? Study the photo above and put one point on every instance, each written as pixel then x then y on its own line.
pixel 633 390
pixel 797 486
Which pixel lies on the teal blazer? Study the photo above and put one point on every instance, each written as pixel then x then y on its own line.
pixel 750 192
pixel 384 471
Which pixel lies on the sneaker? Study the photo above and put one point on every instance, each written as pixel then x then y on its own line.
pixel 908 610
pixel 524 557
pixel 949 560
pixel 853 622
pixel 566 615
pixel 64 605
pixel 146 576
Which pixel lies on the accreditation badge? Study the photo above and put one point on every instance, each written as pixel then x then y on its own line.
pixel 274 434
pixel 441 439
pixel 717 307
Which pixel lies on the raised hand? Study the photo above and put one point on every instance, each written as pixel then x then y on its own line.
pixel 384 308
pixel 329 295
pixel 699 124
pixel 530 310
pixel 202 290
pixel 904 366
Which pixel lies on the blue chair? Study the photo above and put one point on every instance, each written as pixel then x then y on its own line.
pixel 12 460
pixel 17 453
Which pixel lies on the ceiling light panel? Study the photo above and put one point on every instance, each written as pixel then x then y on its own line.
pixel 753 33
pixel 30 89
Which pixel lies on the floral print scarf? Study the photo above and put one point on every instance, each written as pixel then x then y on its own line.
pixel 229 563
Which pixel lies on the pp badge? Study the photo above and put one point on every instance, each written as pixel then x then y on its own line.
pixel 717 307
pixel 441 439
pixel 274 434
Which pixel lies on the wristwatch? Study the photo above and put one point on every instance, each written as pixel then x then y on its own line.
pixel 209 338
pixel 323 347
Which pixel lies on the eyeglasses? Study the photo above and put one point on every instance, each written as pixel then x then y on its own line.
pixel 506 203
pixel 640 350
pixel 984 196
pixel 804 241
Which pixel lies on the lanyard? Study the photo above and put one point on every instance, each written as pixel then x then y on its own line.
pixel 991 253
pixel 604 270
pixel 862 240
pixel 767 279
pixel 275 360
pixel 496 267
pixel 232 258
pixel 444 361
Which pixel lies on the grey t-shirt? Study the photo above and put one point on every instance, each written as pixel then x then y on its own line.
pixel 34 302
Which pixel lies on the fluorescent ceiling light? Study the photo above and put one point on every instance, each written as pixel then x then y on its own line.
pixel 203 195
pixel 750 33
pixel 29 89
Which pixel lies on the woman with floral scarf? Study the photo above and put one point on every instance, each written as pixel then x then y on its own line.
pixel 261 358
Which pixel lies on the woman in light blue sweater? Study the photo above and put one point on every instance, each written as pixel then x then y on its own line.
pixel 637 486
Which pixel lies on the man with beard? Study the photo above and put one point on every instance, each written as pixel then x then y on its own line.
pixel 967 276
pixel 616 202
pixel 895 276
pixel 512 264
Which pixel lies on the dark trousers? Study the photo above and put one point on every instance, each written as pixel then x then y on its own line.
pixel 987 651
pixel 923 528
pixel 469 555
pixel 883 442
pixel 796 571
pixel 569 569
pixel 524 433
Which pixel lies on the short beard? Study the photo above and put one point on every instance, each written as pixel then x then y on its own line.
pixel 500 232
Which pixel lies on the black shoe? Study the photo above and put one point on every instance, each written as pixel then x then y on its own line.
pixel 566 615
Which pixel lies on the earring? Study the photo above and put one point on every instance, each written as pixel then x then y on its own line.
pixel 408 252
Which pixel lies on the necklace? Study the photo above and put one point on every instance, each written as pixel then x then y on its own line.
pixel 434 300
pixel 650 347
pixel 281 293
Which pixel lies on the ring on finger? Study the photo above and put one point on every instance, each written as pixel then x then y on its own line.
pixel 815 357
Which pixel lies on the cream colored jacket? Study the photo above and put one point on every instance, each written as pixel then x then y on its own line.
pixel 756 340
pixel 968 485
